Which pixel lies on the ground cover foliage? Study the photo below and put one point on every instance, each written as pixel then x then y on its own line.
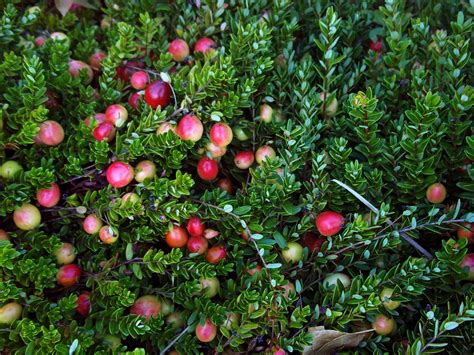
pixel 366 105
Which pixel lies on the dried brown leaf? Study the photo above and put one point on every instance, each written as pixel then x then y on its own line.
pixel 326 341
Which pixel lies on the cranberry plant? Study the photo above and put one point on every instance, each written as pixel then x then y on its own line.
pixel 240 176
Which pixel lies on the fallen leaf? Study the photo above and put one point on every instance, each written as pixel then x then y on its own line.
pixel 326 341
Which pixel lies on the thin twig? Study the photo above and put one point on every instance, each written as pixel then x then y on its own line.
pixel 174 341
pixel 401 232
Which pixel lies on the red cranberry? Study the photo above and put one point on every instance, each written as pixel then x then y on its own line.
pixel 51 133
pixel 83 304
pixel 216 254
pixel 95 59
pixel 436 193
pixel 92 224
pixel 146 306
pixel 204 45
pixel 197 245
pixel 244 160
pixel 158 93
pixel 468 261
pixel 466 230
pixel 139 80
pixel 176 237
pixel 39 41
pixel 178 49
pixel 206 332
pixel 312 242
pixel 190 128
pixel 226 185
pixel 98 118
pixel 134 98
pixel 221 134
pixel 215 151
pixel 329 223
pixel 49 197
pixel 195 227
pixel 68 275
pixel 107 235
pixel 117 115
pixel 377 45
pixel 75 68
pixel 27 217
pixel 263 153
pixel 119 174
pixel 105 130
pixel 207 169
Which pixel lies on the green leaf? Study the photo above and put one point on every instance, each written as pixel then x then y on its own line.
pixel 451 325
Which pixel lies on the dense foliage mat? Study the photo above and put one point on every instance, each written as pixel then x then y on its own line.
pixel 239 176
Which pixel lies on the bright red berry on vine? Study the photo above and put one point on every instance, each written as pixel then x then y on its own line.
pixel 51 133
pixel 49 197
pixel 39 41
pixel 190 128
pixel 468 261
pixel 263 153
pixel 95 59
pixel 107 235
pixel 215 151
pixel 312 242
pixel 383 325
pixel 139 80
pixel 207 169
pixel 104 130
pixel 244 159
pixel 466 230
pixel 226 185
pixel 98 118
pixel 216 254
pixel 119 174
pixel 158 93
pixel 195 227
pixel 221 134
pixel 197 245
pixel 377 45
pixel 134 99
pixel 329 223
pixel 68 275
pixel 206 332
pixel 204 45
pixel 178 49
pixel 146 306
pixel 83 304
pixel 116 114
pixel 92 224
pixel 176 237
pixel 76 67
pixel 436 193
